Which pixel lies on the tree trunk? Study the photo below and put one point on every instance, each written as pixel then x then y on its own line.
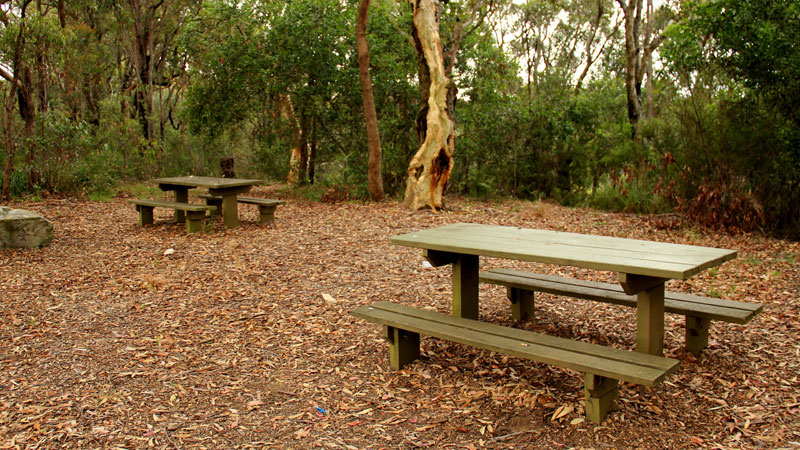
pixel 636 58
pixel 374 177
pixel 285 109
pixel 430 167
pixel 298 162
pixel 312 152
pixel 633 21
pixel 10 141
pixel 648 60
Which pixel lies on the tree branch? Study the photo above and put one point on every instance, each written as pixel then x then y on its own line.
pixel 8 76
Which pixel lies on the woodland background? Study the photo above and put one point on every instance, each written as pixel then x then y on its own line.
pixel 99 92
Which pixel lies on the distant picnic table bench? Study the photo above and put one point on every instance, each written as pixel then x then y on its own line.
pixel 194 213
pixel 266 206
pixel 642 266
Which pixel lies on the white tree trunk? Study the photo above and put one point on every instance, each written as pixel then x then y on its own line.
pixel 430 167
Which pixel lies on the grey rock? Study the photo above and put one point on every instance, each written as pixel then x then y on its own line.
pixel 20 228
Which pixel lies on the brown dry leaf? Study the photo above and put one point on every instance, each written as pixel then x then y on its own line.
pixel 252 404
pixel 562 411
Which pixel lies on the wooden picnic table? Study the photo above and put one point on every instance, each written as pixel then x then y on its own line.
pixel 642 266
pixel 227 188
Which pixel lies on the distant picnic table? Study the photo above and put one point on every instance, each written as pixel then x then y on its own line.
pixel 226 188
pixel 643 267
pixel 222 198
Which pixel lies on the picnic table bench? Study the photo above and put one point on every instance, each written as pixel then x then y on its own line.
pixel 266 206
pixel 194 213
pixel 603 367
pixel 699 310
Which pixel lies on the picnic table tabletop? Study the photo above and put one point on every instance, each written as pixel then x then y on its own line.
pixel 206 182
pixel 631 256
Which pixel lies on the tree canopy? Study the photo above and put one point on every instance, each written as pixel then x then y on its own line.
pixel 690 107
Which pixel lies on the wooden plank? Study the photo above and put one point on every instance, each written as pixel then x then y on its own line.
pixel 248 200
pixel 537 237
pixel 656 259
pixel 515 333
pixel 604 361
pixel 465 283
pixel 206 182
pixel 171 205
pixel 650 320
pixel 674 302
pixel 260 201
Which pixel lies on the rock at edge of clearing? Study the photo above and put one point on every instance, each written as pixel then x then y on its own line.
pixel 20 228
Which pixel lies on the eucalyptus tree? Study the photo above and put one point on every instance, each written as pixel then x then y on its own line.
pixel 147 31
pixel 563 38
pixel 430 168
pixel 32 46
pixel 374 177
pixel 643 35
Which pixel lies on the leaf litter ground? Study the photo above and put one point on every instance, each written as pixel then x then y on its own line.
pixel 242 338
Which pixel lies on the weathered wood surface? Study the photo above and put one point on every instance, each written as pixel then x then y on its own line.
pixel 225 188
pixel 628 256
pixel 674 302
pixel 205 182
pixel 172 205
pixel 194 214
pixel 602 366
pixel 609 362
pixel 248 200
pixel 266 206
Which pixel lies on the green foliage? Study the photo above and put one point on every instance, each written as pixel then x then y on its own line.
pixel 252 79
pixel 756 42
pixel 738 129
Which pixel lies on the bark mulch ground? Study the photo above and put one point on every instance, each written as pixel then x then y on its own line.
pixel 121 337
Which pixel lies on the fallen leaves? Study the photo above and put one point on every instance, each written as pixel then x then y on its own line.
pixel 241 338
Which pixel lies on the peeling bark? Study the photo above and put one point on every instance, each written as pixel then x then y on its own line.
pixel 430 167
pixel 298 157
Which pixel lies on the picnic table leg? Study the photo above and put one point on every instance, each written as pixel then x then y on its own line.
pixel 649 311
pixel 650 321
pixel 600 393
pixel 403 346
pixel 181 196
pixel 465 280
pixel 465 286
pixel 697 334
pixel 521 303
pixel 230 215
